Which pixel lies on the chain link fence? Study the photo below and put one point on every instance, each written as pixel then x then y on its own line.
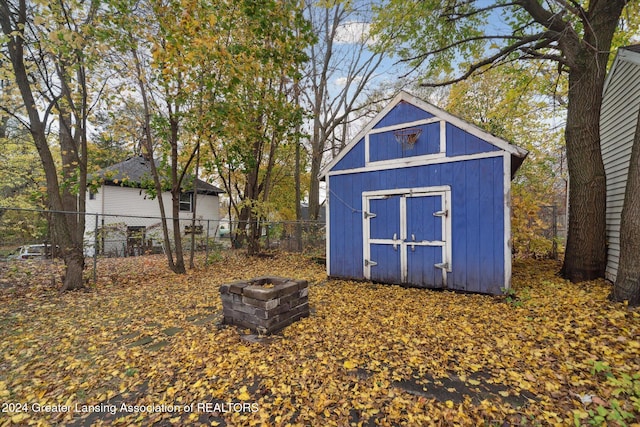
pixel 540 233
pixel 26 234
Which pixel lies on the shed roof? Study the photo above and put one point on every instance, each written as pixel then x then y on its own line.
pixel 517 154
pixel 135 170
pixel 632 48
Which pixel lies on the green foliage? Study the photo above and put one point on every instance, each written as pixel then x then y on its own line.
pixel 130 372
pixel 445 39
pixel 18 227
pixel 515 103
pixel 215 256
pixel 619 386
pixel 115 136
pixel 516 299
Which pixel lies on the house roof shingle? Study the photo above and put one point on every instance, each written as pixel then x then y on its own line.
pixel 135 170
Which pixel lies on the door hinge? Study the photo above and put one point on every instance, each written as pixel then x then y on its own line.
pixel 443 265
pixel 368 215
pixel 441 213
pixel 369 262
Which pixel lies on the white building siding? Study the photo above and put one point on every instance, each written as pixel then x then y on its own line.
pixel 621 101
pixel 132 207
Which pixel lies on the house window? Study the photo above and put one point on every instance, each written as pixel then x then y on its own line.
pixel 92 195
pixel 186 200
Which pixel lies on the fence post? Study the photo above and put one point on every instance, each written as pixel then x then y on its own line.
pixel 206 246
pixel 95 252
pixel 554 244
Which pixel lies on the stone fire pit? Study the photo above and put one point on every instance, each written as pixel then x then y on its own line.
pixel 265 304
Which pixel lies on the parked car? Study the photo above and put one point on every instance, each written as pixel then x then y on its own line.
pixel 223 231
pixel 40 251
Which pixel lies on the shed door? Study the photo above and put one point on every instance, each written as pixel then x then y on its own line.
pixel 407 237
pixel 384 239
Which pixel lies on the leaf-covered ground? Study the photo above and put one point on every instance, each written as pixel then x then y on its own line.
pixel 143 346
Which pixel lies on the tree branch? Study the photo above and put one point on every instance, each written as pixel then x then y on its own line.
pixel 501 54
pixel 552 21
pixel 425 55
pixel 452 16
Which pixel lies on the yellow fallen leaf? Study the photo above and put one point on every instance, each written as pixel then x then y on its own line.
pixel 18 418
pixel 244 395
pixel 349 364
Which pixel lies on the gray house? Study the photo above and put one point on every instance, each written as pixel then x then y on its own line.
pixel 620 104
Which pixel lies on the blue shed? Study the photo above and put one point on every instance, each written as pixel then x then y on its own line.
pixel 422 198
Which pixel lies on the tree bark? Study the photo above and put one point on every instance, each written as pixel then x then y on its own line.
pixel 585 257
pixel 331 109
pixel 586 252
pixel 627 286
pixel 147 149
pixel 68 227
pixel 178 266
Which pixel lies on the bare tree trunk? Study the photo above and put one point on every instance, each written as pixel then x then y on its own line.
pixel 194 207
pixel 358 68
pixel 248 216
pixel 586 251
pixel 627 286
pixel 67 225
pixel 176 191
pixel 317 151
pixel 68 228
pixel 298 230
pixel 586 243
pixel 148 147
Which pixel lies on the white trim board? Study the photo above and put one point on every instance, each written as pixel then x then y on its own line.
pixel 418 161
pixel 507 222
pixel 433 110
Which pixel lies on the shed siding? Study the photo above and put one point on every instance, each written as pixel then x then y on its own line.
pixel 403 113
pixel 477 212
pixel 460 143
pixel 353 159
pixel 617 126
pixel 384 146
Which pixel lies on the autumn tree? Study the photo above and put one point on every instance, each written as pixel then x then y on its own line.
pixel 515 102
pixel 21 180
pixel 252 117
pixel 116 133
pixel 342 65
pixel 153 53
pixel 50 50
pixel 439 37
